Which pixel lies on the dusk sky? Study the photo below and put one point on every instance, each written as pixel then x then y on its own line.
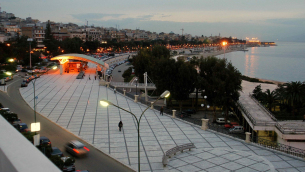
pixel 268 20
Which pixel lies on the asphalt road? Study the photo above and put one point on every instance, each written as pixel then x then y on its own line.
pixel 96 161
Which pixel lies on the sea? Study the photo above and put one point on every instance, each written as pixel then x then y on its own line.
pixel 284 62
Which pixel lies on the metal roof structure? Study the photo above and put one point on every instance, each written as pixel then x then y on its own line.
pixel 65 57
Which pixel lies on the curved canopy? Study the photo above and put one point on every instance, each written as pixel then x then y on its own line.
pixel 66 57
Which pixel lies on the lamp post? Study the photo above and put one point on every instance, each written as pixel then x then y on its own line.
pixel 30 40
pixel 136 86
pixel 105 103
pixel 206 107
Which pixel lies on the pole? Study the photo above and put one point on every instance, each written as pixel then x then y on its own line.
pixel 30 58
pixel 34 101
pixel 224 50
pixel 137 87
pixel 139 146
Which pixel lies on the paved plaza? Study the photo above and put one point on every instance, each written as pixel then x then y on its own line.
pixel 74 105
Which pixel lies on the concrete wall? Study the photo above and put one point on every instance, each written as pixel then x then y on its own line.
pixel 18 154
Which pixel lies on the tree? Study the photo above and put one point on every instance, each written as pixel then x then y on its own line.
pixel 258 93
pixel 270 99
pixel 146 60
pixel 293 94
pixel 185 76
pixel 221 83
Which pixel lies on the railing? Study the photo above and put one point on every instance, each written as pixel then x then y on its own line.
pixel 286 130
pixel 280 147
pixel 263 107
pixel 246 112
pixel 127 84
pixel 254 121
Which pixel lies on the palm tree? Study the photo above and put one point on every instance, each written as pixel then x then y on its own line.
pixel 293 94
pixel 270 98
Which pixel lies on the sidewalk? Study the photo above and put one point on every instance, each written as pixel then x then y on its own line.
pixel 74 104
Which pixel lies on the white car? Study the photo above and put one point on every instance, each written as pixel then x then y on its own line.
pixel 221 121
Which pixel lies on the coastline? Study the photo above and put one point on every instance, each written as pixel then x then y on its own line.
pixel 220 52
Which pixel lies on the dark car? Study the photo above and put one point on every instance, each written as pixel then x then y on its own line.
pixel 76 148
pixel 44 141
pixel 69 164
pixel 17 121
pixel 183 114
pixel 21 127
pixel 24 84
pixel 23 70
pixel 57 152
pixel 190 111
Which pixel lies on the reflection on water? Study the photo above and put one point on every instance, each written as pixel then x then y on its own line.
pixel 285 62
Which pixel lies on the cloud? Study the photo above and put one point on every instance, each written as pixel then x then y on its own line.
pixel 96 16
pixel 291 22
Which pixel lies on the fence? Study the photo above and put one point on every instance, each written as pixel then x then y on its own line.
pixel 280 147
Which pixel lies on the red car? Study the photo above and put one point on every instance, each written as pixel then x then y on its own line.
pixel 231 125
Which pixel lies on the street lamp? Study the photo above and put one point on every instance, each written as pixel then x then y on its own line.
pixel 30 40
pixel 106 103
pixel 224 48
pixel 206 107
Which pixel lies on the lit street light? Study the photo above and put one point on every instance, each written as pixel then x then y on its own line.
pixel 224 48
pixel 106 103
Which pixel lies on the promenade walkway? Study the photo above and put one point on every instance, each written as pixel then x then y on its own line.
pixel 74 105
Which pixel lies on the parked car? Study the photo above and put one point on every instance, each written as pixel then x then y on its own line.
pixel 221 121
pixel 76 148
pixel 183 115
pixel 229 113
pixel 24 84
pixel 37 76
pixel 57 152
pixel 23 70
pixel 6 109
pixel 119 71
pixel 44 141
pixel 21 127
pixel 69 164
pixel 231 125
pixel 237 129
pixel 190 111
pixel 17 121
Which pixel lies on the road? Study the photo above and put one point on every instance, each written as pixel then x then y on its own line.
pixel 96 161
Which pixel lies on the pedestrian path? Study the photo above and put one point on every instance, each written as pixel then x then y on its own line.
pixel 74 105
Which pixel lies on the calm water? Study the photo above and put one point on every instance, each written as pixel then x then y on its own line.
pixel 285 62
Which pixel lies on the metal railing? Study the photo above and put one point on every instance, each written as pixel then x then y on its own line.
pixel 263 107
pixel 286 130
pixel 279 147
pixel 254 121
pixel 132 85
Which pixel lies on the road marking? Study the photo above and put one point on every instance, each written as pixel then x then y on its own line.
pixel 12 83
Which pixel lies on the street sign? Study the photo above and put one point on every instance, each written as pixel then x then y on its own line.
pixel 36 97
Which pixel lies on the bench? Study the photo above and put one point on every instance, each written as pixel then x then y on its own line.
pixel 80 75
pixel 168 154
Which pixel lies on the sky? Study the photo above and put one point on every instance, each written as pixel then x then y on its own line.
pixel 267 20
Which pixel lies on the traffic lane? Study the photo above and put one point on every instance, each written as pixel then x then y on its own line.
pixel 95 161
pixel 116 75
